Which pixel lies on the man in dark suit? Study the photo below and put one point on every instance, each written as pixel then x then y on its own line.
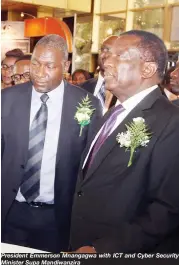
pixel 41 150
pixel 96 86
pixel 127 198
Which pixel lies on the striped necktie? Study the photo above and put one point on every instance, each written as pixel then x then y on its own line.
pixel 30 187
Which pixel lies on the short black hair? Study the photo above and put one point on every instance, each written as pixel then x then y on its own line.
pixel 84 72
pixel 24 57
pixel 17 53
pixel 152 49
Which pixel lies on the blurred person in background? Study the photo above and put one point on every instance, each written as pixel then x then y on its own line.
pixel 166 86
pixel 21 72
pixel 79 76
pixel 170 84
pixel 175 83
pixel 7 66
pixel 96 86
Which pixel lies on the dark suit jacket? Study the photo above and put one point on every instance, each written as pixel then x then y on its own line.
pixel 15 136
pixel 90 85
pixel 176 102
pixel 132 209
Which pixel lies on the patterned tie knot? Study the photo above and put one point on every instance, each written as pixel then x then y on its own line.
pixel 44 98
pixel 118 109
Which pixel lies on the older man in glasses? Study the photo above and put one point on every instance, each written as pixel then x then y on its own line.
pixel 21 70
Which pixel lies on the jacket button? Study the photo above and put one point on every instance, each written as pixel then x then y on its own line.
pixel 14 190
pixel 80 193
pixel 22 166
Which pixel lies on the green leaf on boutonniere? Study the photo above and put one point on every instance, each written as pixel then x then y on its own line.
pixel 84 112
pixel 137 135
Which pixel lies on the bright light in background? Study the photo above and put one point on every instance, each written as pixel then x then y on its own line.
pixel 78 59
pixel 109 31
pixel 23 13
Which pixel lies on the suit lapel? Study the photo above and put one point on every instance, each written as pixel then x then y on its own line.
pixel 139 111
pixel 111 142
pixel 22 113
pixel 66 117
pixel 93 134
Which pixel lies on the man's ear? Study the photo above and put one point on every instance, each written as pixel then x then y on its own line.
pixel 66 66
pixel 149 69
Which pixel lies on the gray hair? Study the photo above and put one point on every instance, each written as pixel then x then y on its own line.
pixel 54 41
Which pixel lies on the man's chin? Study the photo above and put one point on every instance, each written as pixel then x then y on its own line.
pixel 110 87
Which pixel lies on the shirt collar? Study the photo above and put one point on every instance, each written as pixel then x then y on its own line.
pixel 99 84
pixel 131 102
pixel 54 95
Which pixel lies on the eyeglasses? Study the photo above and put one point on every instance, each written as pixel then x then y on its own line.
pixel 6 67
pixel 18 77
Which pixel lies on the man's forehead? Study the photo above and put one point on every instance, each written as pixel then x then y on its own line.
pixel 109 41
pixel 45 52
pixel 127 41
pixel 127 44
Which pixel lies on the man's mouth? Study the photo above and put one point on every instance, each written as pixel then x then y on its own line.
pixel 40 82
pixel 174 82
pixel 108 75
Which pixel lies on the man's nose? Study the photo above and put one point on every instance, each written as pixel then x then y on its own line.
pixel 9 70
pixel 41 71
pixel 108 61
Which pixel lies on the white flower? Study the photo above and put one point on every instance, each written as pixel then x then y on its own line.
pixel 82 117
pixel 83 113
pixel 144 143
pixel 124 139
pixel 137 135
pixel 138 119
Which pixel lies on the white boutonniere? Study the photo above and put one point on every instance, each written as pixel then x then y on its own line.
pixel 137 135
pixel 84 112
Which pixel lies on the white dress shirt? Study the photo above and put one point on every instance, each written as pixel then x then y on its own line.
pixel 98 84
pixel 128 105
pixel 97 89
pixel 170 95
pixel 47 174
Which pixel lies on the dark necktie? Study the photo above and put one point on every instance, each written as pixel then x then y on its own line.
pixel 108 125
pixel 101 95
pixel 30 187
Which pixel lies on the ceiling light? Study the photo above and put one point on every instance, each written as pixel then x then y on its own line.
pixel 23 13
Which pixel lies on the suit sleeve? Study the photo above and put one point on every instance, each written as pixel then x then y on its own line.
pixel 2 135
pixel 160 218
pixel 2 145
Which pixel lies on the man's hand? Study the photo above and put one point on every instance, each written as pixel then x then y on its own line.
pixel 86 249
